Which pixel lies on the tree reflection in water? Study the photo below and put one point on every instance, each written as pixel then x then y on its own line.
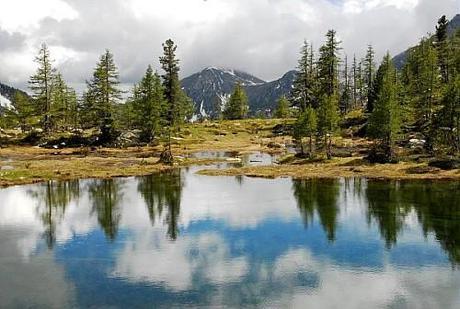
pixel 106 196
pixel 436 204
pixel 162 192
pixel 320 196
pixel 52 198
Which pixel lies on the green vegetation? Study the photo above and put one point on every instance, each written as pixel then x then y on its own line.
pixel 385 114
pixel 237 107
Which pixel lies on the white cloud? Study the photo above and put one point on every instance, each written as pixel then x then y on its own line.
pixel 262 37
pixel 22 15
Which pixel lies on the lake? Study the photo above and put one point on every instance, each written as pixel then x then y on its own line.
pixel 179 239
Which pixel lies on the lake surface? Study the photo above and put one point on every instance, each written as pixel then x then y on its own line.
pixel 179 239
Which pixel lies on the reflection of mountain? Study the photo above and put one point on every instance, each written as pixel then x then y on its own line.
pixel 163 191
pixel 106 195
pixel 52 199
pixel 322 196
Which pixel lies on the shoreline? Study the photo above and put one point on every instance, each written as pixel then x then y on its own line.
pixel 31 164
pixel 44 166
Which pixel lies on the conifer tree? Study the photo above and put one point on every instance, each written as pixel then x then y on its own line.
pixel 306 126
pixel 303 92
pixel 328 85
pixel 148 104
pixel 449 118
pixel 441 45
pixel 282 109
pixel 237 106
pixel 345 98
pixel 171 84
pixel 421 77
pixel 384 122
pixel 328 64
pixel 40 84
pixel 104 94
pixel 355 77
pixel 179 106
pixel 64 104
pixel 328 120
pixel 22 111
pixel 369 72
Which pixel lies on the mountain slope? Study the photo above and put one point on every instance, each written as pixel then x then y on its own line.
pixel 212 87
pixel 400 59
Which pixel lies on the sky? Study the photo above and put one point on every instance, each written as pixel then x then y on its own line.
pixel 261 37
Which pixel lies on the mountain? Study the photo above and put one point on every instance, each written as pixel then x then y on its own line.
pixel 213 86
pixel 400 59
pixel 6 96
pixel 264 96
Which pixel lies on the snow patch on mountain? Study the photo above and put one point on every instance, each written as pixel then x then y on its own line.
pixel 4 101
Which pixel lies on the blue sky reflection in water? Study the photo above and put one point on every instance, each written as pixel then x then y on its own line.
pixel 179 239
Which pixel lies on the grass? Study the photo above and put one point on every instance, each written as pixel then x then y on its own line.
pixel 337 168
pixel 27 164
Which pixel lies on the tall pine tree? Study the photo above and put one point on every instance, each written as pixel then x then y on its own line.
pixel 384 122
pixel 41 83
pixel 104 93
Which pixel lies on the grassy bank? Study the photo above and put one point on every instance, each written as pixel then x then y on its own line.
pixel 29 164
pixel 340 167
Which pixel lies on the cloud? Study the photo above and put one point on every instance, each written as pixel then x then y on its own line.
pixel 262 37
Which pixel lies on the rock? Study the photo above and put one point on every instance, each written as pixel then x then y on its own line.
pixel 423 170
pixel 415 143
pixel 381 154
pixel 127 139
pixel 445 163
pixel 275 145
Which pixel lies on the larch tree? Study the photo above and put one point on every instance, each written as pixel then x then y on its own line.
pixel 346 95
pixel 179 106
pixel 442 48
pixel 40 84
pixel 385 121
pixel 305 127
pixel 148 104
pixel 64 104
pixel 303 91
pixel 104 94
pixel 369 73
pixel 282 108
pixel 328 76
pixel 237 106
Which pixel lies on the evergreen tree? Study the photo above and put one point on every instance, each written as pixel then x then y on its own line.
pixel 303 92
pixel 282 109
pixel 384 122
pixel 104 94
pixel 369 72
pixel 345 98
pixel 179 107
pixel 355 81
pixel 306 126
pixel 171 84
pixel 64 104
pixel 441 45
pixel 449 118
pixel 422 84
pixel 328 120
pixel 328 85
pixel 328 64
pixel 22 111
pixel 148 104
pixel 41 84
pixel 237 106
